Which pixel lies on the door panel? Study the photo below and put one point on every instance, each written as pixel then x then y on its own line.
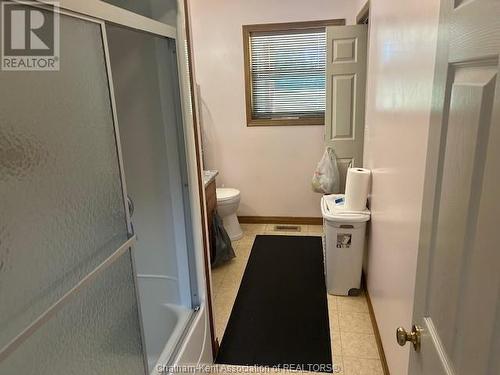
pixel 466 136
pixel 345 93
pixel 458 286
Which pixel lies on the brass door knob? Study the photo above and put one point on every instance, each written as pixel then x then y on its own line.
pixel 402 337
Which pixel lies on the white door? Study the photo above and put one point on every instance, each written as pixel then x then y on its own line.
pixel 345 94
pixel 457 302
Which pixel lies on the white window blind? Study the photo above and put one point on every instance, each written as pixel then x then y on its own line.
pixel 288 73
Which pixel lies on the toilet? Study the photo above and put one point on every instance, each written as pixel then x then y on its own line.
pixel 228 201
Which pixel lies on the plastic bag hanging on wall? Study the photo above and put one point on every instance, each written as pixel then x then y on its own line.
pixel 326 178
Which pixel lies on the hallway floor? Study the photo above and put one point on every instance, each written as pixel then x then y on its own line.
pixel 352 336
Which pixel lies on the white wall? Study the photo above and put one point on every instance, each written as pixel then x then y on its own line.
pixel 272 166
pixel 400 75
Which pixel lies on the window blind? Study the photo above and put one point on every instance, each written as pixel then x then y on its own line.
pixel 288 73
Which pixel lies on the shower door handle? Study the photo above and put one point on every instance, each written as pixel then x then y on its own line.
pixel 131 206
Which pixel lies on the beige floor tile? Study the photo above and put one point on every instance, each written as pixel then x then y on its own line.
pixel 220 327
pixel 221 315
pixel 223 268
pixel 217 278
pixel 241 261
pixel 241 246
pixel 338 365
pixel 316 229
pixel 358 345
pixel 226 296
pixel 332 303
pixel 238 265
pixel 353 304
pixel 333 319
pixel 359 366
pixel 355 322
pixel 220 269
pixel 243 251
pixel 253 228
pixel 269 228
pixel 244 245
pixel 336 344
pixel 250 236
pixel 313 234
pixel 224 292
pixel 232 280
pixel 222 311
pixel 235 244
pixel 246 241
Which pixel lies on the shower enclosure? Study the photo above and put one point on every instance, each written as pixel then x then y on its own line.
pixel 100 247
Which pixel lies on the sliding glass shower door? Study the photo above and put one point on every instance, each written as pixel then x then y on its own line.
pixel 68 301
pixel 146 91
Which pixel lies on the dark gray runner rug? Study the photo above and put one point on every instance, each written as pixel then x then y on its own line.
pixel 280 316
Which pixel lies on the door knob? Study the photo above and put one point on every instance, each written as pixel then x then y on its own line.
pixel 402 337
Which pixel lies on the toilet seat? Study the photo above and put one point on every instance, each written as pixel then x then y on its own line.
pixel 227 194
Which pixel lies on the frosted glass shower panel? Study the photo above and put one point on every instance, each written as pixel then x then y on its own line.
pixel 161 10
pixel 97 332
pixel 61 201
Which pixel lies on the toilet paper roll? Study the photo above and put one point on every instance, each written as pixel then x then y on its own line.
pixel 357 187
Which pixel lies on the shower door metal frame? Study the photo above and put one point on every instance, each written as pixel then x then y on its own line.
pixel 190 247
pixel 127 245
pixel 106 12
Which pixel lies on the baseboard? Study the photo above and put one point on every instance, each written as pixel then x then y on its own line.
pixel 280 220
pixel 380 348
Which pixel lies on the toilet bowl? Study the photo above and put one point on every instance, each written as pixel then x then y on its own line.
pixel 228 201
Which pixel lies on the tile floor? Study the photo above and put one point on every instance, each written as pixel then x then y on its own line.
pixel 353 341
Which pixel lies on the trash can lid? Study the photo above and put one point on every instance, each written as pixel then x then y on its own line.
pixel 333 209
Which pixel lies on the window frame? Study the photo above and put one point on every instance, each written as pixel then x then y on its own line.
pixel 278 27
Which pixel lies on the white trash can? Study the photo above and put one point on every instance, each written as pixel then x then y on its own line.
pixel 343 245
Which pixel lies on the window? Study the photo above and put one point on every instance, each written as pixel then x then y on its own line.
pixel 285 73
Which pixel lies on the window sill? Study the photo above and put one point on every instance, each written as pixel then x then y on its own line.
pixel 313 121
